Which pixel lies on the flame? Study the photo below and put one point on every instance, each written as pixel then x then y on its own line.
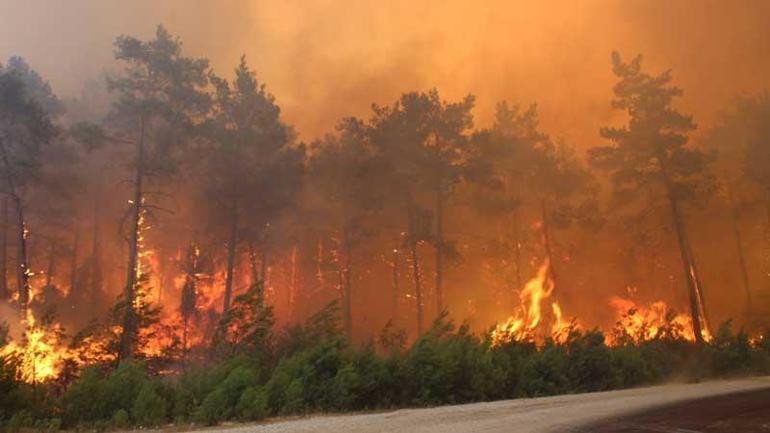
pixel 528 322
pixel 637 324
pixel 40 353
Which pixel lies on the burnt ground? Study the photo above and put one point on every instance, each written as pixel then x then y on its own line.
pixel 746 412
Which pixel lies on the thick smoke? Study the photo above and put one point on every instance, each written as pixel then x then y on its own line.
pixel 328 59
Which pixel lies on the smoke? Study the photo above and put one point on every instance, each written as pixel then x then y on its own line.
pixel 328 59
pixel 10 317
pixel 324 60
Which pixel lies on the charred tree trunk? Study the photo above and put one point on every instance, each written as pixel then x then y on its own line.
pixel 253 263
pixel 439 251
pixel 22 266
pixel 128 337
pixel 547 243
pixel 263 261
pixel 189 295
pixel 292 283
pixel 394 306
pixel 347 285
pixel 4 292
pixel 95 270
pixel 231 247
pixel 767 240
pixel 51 264
pixel 74 259
pixel 687 261
pixel 517 246
pixel 736 218
pixel 22 272
pixel 412 223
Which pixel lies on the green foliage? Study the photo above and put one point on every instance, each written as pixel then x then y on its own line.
pixel 149 408
pixel 120 419
pixel 246 326
pixel 253 404
pixel 447 365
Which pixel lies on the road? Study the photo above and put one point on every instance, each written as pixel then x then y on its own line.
pixel 674 408
pixel 746 412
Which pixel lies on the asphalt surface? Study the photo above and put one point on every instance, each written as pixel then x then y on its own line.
pixel 733 406
pixel 746 412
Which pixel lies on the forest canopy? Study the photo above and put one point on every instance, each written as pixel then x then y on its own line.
pixel 172 219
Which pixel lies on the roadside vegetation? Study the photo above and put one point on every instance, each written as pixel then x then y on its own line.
pixel 311 369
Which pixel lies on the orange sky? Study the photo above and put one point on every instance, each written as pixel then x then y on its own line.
pixel 326 59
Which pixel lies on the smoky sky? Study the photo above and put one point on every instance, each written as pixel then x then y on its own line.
pixel 326 59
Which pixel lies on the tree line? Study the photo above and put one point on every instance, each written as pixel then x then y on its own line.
pixel 210 163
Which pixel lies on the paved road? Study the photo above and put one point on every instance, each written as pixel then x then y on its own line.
pixel 569 413
pixel 746 412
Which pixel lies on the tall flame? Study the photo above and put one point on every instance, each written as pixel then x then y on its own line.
pixel 527 322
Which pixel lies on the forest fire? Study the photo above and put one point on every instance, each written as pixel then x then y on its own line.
pixel 176 236
pixel 636 324
pixel 530 322
pixel 40 352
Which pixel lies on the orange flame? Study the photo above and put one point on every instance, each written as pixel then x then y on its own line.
pixel 528 323
pixel 637 324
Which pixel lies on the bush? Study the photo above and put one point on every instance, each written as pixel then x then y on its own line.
pixel 149 408
pixel 120 419
pixel 213 409
pixel 253 404
pixel 220 404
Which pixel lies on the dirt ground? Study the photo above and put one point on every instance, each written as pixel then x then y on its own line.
pixel 567 413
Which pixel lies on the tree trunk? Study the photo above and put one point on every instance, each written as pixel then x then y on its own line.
pixel 394 306
pixel 22 266
pixel 4 292
pixel 292 283
pixel 95 279
pixel 347 285
pixel 687 261
pixel 739 249
pixel 263 265
pixel 231 246
pixel 439 251
pixel 767 241
pixel 74 260
pixel 128 337
pixel 253 263
pixel 51 263
pixel 547 243
pixel 415 264
pixel 517 247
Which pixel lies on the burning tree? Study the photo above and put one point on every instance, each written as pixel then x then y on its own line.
pixel 516 167
pixel 344 173
pixel 741 139
pixel 160 98
pixel 424 141
pixel 252 171
pixel 651 155
pixel 27 108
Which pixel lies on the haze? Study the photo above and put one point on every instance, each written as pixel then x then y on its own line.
pixel 328 59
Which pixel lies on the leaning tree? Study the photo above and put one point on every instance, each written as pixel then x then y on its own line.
pixel 650 156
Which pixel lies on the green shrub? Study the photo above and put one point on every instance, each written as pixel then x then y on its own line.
pixel 85 399
pixel 213 409
pixel 253 404
pixel 589 363
pixel 19 420
pixel 120 419
pixel 149 409
pixel 545 372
